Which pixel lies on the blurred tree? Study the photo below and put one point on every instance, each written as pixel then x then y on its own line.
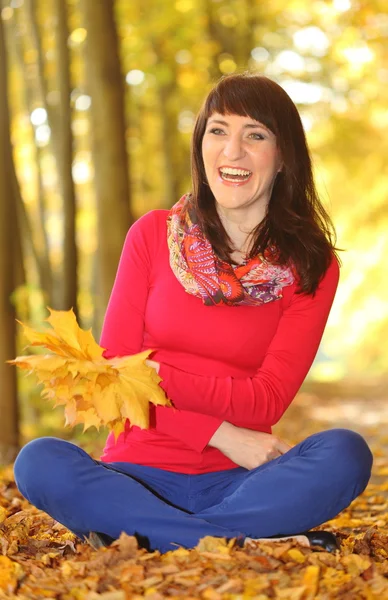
pixel 38 96
pixel 33 237
pixel 231 26
pixel 65 160
pixel 329 55
pixel 110 158
pixel 167 93
pixel 9 433
pixel 64 293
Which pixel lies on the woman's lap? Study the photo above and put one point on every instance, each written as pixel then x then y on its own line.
pixel 86 495
pixel 301 489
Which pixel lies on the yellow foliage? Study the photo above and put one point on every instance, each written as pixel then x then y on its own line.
pixel 94 390
pixel 311 581
pixel 10 573
pixel 296 555
pixel 3 515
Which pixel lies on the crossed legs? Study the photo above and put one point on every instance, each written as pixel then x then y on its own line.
pixel 302 489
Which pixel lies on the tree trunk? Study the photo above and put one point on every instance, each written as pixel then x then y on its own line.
pixel 52 118
pixel 32 235
pixel 9 434
pixel 166 92
pixel 109 147
pixel 169 144
pixel 65 160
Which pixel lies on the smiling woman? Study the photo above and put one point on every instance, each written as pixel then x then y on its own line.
pixel 254 119
pixel 231 289
pixel 241 160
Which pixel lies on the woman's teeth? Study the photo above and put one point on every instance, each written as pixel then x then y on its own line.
pixel 235 174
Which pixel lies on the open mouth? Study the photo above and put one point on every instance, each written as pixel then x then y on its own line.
pixel 234 175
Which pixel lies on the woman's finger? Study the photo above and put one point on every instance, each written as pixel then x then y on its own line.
pixel 283 447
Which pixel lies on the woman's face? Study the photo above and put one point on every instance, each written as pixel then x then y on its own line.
pixel 241 161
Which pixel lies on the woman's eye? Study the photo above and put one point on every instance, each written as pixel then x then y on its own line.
pixel 254 135
pixel 257 136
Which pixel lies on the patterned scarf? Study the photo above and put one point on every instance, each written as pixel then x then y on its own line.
pixel 203 274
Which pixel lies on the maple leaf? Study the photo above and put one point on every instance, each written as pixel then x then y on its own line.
pixel 95 391
pixel 107 411
pixel 66 328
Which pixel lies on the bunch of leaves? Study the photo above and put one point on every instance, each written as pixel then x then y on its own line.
pixel 94 390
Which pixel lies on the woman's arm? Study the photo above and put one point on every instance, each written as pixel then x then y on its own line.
pixel 193 429
pixel 123 328
pixel 263 398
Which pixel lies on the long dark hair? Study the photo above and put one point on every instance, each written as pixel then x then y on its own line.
pixel 296 221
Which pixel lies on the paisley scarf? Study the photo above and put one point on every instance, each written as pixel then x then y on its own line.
pixel 203 274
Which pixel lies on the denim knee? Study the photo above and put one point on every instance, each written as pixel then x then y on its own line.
pixel 31 465
pixel 351 454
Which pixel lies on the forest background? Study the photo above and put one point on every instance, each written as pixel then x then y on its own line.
pixel 97 105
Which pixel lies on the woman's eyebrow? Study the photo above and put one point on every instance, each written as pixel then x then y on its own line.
pixel 246 126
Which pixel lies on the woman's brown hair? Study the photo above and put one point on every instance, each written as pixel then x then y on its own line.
pixel 296 222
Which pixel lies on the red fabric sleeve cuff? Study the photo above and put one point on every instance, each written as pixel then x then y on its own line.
pixel 194 429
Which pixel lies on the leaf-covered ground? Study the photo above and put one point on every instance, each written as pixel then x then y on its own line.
pixel 40 559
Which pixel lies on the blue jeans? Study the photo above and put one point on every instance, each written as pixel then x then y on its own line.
pixel 301 489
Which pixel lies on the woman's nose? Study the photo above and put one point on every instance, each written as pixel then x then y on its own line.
pixel 234 148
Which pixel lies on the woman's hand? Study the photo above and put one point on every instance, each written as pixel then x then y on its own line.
pixel 246 447
pixel 152 363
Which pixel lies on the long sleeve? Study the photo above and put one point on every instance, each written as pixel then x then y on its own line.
pixel 123 327
pixel 124 322
pixel 192 428
pixel 263 398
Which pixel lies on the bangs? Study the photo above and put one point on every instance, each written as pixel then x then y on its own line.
pixel 243 99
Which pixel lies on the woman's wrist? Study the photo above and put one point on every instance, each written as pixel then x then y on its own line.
pixel 220 435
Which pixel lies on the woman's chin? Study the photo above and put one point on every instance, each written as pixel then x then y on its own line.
pixel 229 202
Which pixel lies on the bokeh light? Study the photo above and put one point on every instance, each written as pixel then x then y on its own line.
pixel 135 77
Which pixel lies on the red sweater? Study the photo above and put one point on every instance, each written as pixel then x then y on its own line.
pixel 242 364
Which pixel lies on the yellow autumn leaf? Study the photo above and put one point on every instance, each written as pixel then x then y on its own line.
pixel 296 555
pixel 107 411
pixel 356 564
pixel 70 412
pixel 311 581
pixel 118 428
pixel 94 391
pixel 3 514
pixel 84 402
pixel 89 344
pixel 89 418
pixel 105 379
pixel 10 573
pixel 290 593
pixel 65 326
pixel 133 406
pixel 37 338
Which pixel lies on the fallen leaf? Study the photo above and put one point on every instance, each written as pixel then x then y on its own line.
pixel 10 573
pixel 311 581
pixel 296 555
pixel 3 515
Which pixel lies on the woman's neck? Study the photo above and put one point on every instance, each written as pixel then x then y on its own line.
pixel 239 227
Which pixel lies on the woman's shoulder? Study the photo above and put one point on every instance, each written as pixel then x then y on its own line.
pixel 326 288
pixel 149 225
pixel 148 233
pixel 152 219
pixel 332 274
